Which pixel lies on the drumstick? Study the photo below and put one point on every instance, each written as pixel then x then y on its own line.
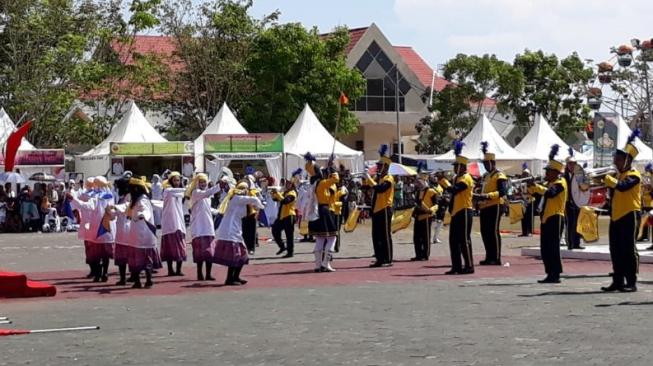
pixel 9 332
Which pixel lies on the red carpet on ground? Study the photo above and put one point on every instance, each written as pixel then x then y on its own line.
pixel 353 271
pixel 17 285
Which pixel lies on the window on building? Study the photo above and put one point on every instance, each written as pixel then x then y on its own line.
pixel 381 94
pixel 360 145
pixel 395 150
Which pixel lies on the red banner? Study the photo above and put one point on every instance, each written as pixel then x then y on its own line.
pixel 41 157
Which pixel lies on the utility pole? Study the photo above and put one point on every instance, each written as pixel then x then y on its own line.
pixel 397 114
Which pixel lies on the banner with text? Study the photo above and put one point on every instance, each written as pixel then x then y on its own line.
pixel 245 143
pixel 39 157
pixel 151 148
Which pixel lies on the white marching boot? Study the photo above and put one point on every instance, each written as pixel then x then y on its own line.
pixel 436 232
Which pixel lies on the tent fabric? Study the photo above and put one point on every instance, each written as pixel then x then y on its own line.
pixel 484 131
pixel 133 127
pixel 224 123
pixel 539 139
pixel 7 126
pixel 308 134
pixel 623 131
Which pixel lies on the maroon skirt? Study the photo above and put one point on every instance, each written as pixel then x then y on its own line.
pixel 95 252
pixel 173 247
pixel 144 259
pixel 230 253
pixel 203 248
pixel 121 254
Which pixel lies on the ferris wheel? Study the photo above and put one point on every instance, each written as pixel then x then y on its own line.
pixel 623 84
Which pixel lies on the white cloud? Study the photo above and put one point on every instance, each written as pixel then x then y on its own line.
pixel 507 27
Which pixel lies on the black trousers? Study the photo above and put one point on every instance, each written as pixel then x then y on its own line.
pixel 382 236
pixel 249 232
pixel 287 226
pixel 338 225
pixel 623 252
pixel 571 217
pixel 490 220
pixel 421 238
pixel 460 241
pixel 646 230
pixel 550 234
pixel 527 221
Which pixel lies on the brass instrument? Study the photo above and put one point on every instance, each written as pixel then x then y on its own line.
pixel 593 173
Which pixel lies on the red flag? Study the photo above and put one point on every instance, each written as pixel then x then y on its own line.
pixel 343 99
pixel 13 142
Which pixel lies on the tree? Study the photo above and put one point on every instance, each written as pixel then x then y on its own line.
pixel 553 88
pixel 479 84
pixel 290 66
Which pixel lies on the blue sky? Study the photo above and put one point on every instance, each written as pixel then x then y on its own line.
pixel 439 29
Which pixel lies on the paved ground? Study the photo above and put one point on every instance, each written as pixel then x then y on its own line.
pixel 409 314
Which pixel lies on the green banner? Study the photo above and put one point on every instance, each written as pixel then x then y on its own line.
pixel 246 143
pixel 151 148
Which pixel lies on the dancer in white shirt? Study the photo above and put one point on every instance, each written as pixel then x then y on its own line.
pixel 173 226
pixel 201 224
pixel 230 249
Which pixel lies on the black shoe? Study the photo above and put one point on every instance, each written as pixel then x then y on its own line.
pixel 90 275
pixel 242 282
pixel 468 270
pixel 549 279
pixel 376 264
pixel 452 272
pixel 317 270
pixel 522 235
pixel 148 284
pixel 485 262
pixel 612 288
pixel 281 251
pixel 628 288
pixel 649 248
pixel 415 259
pixel 288 255
pixel 137 285
pixel 121 283
pixel 580 247
pixel 104 278
pixel 171 274
pixel 96 279
pixel 424 259
pixel 179 274
pixel 209 278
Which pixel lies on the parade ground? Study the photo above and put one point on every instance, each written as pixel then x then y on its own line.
pixel 408 314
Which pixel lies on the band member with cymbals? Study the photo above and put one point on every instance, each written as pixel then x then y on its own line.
pixel 285 222
pixel 576 197
pixel 626 203
pixel 425 207
pixel 382 203
pixel 494 188
pixel 529 205
pixel 440 183
pixel 462 214
pixel 554 194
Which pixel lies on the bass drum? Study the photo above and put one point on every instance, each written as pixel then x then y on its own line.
pixel 598 197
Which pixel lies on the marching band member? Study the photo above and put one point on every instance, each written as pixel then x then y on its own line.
pixel 285 222
pixel 173 225
pixel 647 203
pixel 577 196
pixel 494 188
pixel 340 201
pixel 624 218
pixel 554 195
pixel 462 214
pixel 201 224
pixel 230 250
pixel 425 207
pixel 382 202
pixel 324 227
pixel 529 205
pixel 440 184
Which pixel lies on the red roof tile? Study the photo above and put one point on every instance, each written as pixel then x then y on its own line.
pixel 421 69
pixel 162 46
pixel 355 35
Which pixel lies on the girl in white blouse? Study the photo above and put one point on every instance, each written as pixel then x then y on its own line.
pixel 230 250
pixel 201 224
pixel 173 226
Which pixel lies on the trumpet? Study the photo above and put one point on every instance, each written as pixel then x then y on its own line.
pixel 593 173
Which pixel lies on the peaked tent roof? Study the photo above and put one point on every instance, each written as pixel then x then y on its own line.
pixel 224 123
pixel 7 126
pixel 623 131
pixel 484 131
pixel 133 127
pixel 539 139
pixel 308 134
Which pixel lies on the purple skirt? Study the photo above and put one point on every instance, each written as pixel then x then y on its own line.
pixel 230 253
pixel 173 247
pixel 144 259
pixel 95 252
pixel 121 254
pixel 203 248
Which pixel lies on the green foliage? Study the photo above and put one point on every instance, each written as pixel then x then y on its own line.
pixel 290 66
pixel 460 104
pixel 554 88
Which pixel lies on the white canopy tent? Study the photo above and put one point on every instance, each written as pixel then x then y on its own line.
pixel 537 144
pixel 226 123
pixel 133 127
pixel 7 126
pixel 508 159
pixel 308 134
